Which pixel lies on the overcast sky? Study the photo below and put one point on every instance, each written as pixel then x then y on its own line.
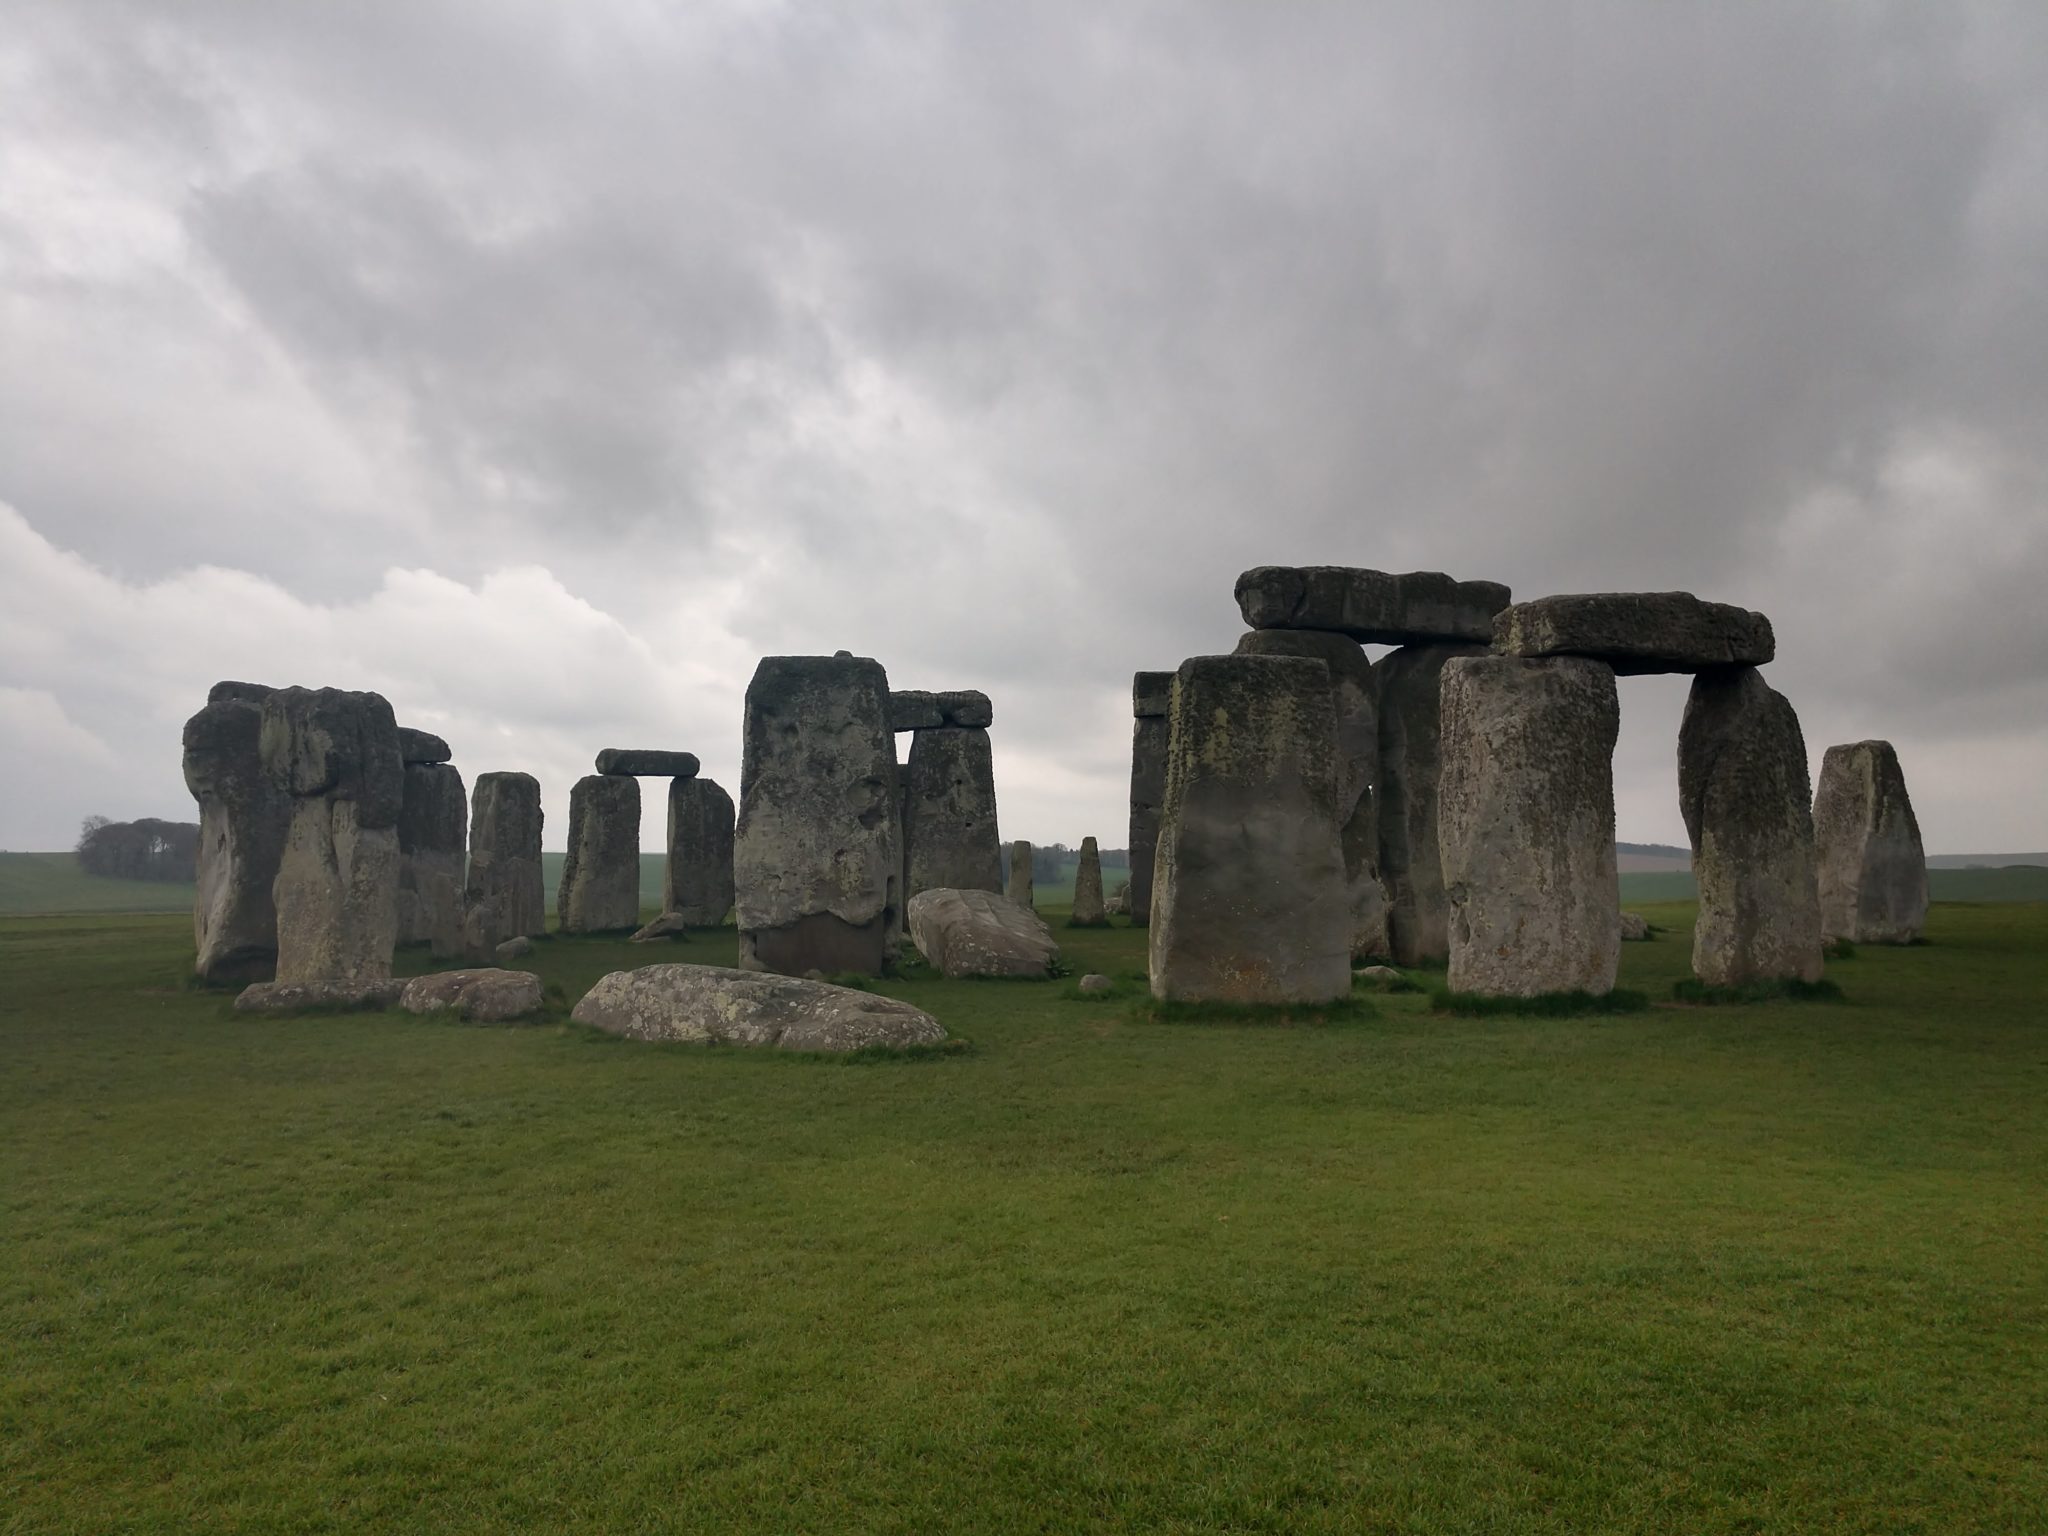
pixel 543 366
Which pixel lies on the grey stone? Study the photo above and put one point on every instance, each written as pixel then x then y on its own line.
pixel 504 897
pixel 1249 903
pixel 1382 978
pixel 670 925
pixel 949 812
pixel 244 818
pixel 1151 695
pixel 817 852
pixel 248 693
pixel 1149 733
pixel 1372 606
pixel 708 1004
pixel 915 709
pixel 433 818
pixel 1525 824
pixel 1408 683
pixel 421 747
pixel 1120 899
pixel 980 933
pixel 1021 887
pixel 336 754
pixel 967 708
pixel 485 995
pixel 1355 698
pixel 364 993
pixel 697 882
pixel 1088 910
pixel 1635 928
pixel 646 763
pixel 600 889
pixel 517 948
pixel 1094 984
pixel 1743 789
pixel 1872 867
pixel 1637 632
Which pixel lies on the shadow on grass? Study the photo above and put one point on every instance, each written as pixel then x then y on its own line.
pixel 1789 990
pixel 1546 1005
pixel 1342 1010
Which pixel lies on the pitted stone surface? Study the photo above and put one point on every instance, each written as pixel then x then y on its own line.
pixel 1526 825
pixel 486 995
pixel 1088 910
pixel 433 817
pixel 1372 606
pixel 1637 632
pixel 980 933
pixel 1409 686
pixel 1248 899
pixel 1021 887
pixel 915 709
pixel 1151 695
pixel 365 993
pixel 600 889
pixel 647 763
pixel 1872 867
pixel 697 885
pixel 967 708
pixel 504 897
pixel 243 821
pixel 949 812
pixel 708 1004
pixel 248 693
pixel 421 746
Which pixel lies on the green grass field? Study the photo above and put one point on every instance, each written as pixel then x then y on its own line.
pixel 1769 1269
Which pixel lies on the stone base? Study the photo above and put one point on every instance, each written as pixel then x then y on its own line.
pixel 301 996
pixel 819 942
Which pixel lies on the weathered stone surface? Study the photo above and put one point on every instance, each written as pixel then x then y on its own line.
pixel 915 709
pixel 980 933
pixel 486 995
pixel 1149 737
pixel 646 763
pixel 967 708
pixel 1743 789
pixel 514 949
pixel 504 898
pixel 243 820
pixel 433 816
pixel 336 754
pixel 364 993
pixel 600 889
pixel 949 812
pixel 697 883
pixel 248 693
pixel 817 853
pixel 708 1004
pixel 1872 867
pixel 1637 632
pixel 1088 911
pixel 1408 683
pixel 1382 978
pixel 1525 825
pixel 1151 695
pixel 1373 606
pixel 1094 984
pixel 1120 899
pixel 1635 928
pixel 670 925
pixel 421 747
pixel 1021 886
pixel 1248 900
pixel 1355 698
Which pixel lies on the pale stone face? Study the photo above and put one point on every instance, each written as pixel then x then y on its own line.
pixel 1088 908
pixel 1022 886
pixel 711 1004
pixel 1872 868
pixel 980 933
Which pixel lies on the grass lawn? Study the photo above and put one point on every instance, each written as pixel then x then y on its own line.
pixel 1768 1269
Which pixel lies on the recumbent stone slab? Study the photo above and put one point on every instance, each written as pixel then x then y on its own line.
pixel 244 816
pixel 710 1004
pixel 486 995
pixel 600 889
pixel 1373 606
pixel 647 763
pixel 980 933
pixel 1872 867
pixel 416 746
pixel 1637 632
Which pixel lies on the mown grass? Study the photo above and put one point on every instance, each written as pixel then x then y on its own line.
pixel 1768 1269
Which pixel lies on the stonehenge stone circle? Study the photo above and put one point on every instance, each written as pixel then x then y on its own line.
pixel 697 882
pixel 1249 903
pixel 1370 606
pixel 600 889
pixel 1525 823
pixel 1088 910
pixel 1872 868
pixel 1408 682
pixel 336 754
pixel 1021 887
pixel 980 933
pixel 243 819
pixel 1355 698
pixel 710 1004
pixel 949 812
pixel 1151 697
pixel 646 763
pixel 433 826
pixel 1636 632
pixel 817 851
pixel 421 746
pixel 1743 789
pixel 504 898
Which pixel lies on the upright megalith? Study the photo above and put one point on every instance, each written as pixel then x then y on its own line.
pixel 1021 887
pixel 1525 825
pixel 1088 911
pixel 1151 696
pixel 600 889
pixel 433 823
pixel 697 886
pixel 243 819
pixel 504 898
pixel 949 811
pixel 1743 788
pixel 336 754
pixel 1872 868
pixel 817 852
pixel 1408 685
pixel 1248 899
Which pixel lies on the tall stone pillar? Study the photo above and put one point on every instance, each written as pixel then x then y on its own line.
pixel 1873 870
pixel 1089 911
pixel 1150 696
pixel 504 898
pixel 949 792
pixel 1409 682
pixel 1022 887
pixel 600 889
pixel 243 820
pixel 698 884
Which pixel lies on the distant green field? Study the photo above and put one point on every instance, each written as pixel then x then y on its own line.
pixel 53 883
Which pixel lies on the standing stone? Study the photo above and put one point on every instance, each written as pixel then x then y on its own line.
pixel 505 898
pixel 697 886
pixel 433 814
pixel 1409 687
pixel 817 852
pixel 1743 789
pixel 1248 898
pixel 1151 694
pixel 600 889
pixel 1021 888
pixel 243 819
pixel 1355 698
pixel 1088 909
pixel 1873 870
pixel 1525 823
pixel 949 812
pixel 336 754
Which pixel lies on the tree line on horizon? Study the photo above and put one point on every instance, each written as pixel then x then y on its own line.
pixel 143 849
